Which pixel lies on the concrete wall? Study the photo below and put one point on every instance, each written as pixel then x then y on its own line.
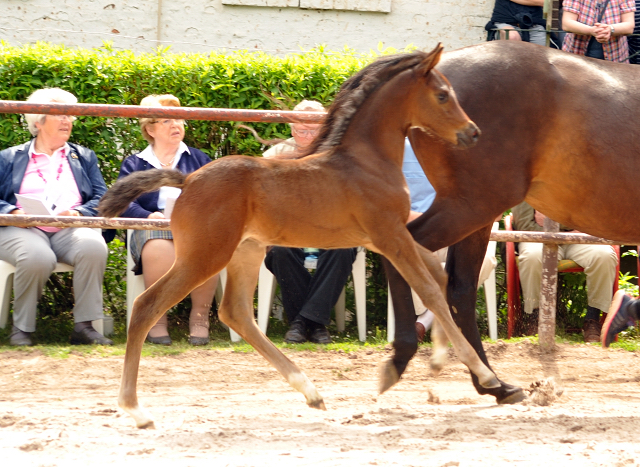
pixel 274 26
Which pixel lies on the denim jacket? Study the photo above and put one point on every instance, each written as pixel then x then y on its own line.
pixel 84 166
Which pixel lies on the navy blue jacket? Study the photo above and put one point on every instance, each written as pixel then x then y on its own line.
pixel 84 166
pixel 148 203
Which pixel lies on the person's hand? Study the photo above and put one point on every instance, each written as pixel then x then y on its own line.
pixel 18 212
pixel 539 218
pixel 413 215
pixel 602 32
pixel 69 212
pixel 155 215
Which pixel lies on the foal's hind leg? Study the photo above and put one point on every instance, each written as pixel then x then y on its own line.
pixel 181 279
pixel 438 336
pixel 400 249
pixel 237 312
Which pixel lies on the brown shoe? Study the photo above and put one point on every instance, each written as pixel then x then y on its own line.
pixel 591 331
pixel 420 331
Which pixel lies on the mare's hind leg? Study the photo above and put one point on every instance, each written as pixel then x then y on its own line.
pixel 237 312
pixel 170 289
pixel 400 249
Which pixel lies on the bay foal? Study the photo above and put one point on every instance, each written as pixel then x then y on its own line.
pixel 350 193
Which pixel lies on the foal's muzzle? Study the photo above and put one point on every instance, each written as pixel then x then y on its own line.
pixel 469 136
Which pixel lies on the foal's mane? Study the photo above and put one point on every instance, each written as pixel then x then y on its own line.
pixel 354 92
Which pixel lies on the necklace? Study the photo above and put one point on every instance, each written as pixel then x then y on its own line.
pixel 42 176
pixel 168 163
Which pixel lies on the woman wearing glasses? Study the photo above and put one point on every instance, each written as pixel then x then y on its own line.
pixel 65 178
pixel 152 250
pixel 598 28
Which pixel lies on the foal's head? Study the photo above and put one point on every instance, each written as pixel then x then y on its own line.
pixel 435 108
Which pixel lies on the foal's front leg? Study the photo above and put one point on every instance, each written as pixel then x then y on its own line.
pixel 400 249
pixel 237 312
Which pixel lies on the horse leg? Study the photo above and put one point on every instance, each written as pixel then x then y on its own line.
pixel 236 311
pixel 404 256
pixel 438 336
pixel 169 290
pixel 463 267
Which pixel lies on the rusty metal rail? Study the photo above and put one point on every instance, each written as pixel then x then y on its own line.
pixel 185 113
pixel 163 224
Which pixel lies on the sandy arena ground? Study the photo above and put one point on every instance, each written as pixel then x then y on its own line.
pixel 220 408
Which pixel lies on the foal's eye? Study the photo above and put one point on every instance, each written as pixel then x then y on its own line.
pixel 443 97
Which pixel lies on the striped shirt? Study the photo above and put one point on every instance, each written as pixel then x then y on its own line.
pixel 616 50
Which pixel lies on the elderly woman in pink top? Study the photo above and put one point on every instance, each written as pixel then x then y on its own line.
pixel 65 178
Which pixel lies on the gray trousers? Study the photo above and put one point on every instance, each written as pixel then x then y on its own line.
pixel 599 263
pixel 34 253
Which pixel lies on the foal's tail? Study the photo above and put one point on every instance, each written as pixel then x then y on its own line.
pixel 117 198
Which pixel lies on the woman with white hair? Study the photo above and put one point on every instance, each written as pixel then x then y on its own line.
pixel 152 250
pixel 66 178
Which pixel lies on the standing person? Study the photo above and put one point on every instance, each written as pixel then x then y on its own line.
pixel 307 299
pixel 598 28
pixel 599 263
pixel 422 195
pixel 153 250
pixel 521 14
pixel 66 178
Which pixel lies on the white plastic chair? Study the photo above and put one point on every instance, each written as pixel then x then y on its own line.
pixel 135 286
pixel 267 290
pixel 489 294
pixel 6 286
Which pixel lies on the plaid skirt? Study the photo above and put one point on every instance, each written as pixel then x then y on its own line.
pixel 138 239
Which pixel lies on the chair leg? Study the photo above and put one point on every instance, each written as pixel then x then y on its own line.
pixel 391 320
pixel 490 300
pixel 360 292
pixel 266 292
pixel 6 287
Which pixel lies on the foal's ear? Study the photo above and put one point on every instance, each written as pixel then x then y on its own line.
pixel 432 59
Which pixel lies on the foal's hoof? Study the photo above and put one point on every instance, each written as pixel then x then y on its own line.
pixel 319 404
pixel 490 382
pixel 437 362
pixel 388 376
pixel 148 425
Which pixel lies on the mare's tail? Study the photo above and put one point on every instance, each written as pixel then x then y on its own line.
pixel 117 198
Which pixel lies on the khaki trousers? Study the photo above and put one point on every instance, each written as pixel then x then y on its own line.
pixel 599 263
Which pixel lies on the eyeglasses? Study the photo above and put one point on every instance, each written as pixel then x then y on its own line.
pixel 305 132
pixel 169 121
pixel 62 118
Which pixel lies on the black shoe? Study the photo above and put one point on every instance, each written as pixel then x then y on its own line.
pixel 193 340
pixel 160 340
pixel 20 338
pixel 320 335
pixel 89 336
pixel 618 319
pixel 297 333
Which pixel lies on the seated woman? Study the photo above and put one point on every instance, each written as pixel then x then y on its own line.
pixel 66 178
pixel 153 250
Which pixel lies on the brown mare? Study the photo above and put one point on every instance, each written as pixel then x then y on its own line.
pixel 559 131
pixel 354 184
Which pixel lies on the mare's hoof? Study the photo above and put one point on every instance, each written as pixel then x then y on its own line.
pixel 388 376
pixel 319 404
pixel 512 396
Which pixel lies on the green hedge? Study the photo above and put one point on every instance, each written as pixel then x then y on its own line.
pixel 241 80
